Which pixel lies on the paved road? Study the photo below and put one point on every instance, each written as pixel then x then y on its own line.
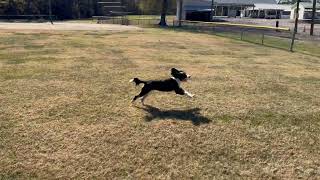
pixel 65 26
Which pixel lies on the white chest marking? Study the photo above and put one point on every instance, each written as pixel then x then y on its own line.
pixel 177 80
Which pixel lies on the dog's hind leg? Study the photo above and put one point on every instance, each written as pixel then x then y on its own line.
pixel 145 90
pixel 144 98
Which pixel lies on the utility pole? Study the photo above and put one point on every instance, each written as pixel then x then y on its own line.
pixel 212 5
pixel 50 12
pixel 295 26
pixel 313 16
pixel 180 11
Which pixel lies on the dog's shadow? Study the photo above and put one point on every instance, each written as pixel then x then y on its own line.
pixel 192 115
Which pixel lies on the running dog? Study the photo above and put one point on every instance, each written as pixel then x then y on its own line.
pixel 171 84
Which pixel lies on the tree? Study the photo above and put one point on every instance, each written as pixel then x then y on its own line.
pixel 163 20
pixel 70 9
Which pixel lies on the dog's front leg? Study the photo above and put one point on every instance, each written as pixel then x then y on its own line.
pixel 184 92
pixel 189 94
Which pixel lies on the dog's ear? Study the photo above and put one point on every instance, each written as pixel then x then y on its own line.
pixel 174 71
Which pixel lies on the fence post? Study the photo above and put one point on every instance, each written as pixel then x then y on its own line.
pixel 262 40
pixel 180 12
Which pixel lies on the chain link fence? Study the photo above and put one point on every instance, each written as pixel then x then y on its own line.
pixel 275 37
pixel 135 20
pixel 264 35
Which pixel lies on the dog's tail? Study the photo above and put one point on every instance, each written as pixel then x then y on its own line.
pixel 137 81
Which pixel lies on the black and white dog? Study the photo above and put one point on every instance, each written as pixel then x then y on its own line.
pixel 172 84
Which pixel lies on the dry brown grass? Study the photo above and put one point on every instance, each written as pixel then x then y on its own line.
pixel 65 108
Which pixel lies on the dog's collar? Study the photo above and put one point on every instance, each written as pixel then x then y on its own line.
pixel 177 80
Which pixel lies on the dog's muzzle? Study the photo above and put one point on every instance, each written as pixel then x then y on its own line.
pixel 188 78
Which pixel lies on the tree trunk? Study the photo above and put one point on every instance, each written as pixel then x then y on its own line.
pixel 163 21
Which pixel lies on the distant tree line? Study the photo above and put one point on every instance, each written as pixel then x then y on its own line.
pixel 75 9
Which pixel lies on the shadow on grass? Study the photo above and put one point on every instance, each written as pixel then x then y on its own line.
pixel 192 115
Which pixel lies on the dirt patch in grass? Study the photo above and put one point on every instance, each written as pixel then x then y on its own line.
pixel 65 108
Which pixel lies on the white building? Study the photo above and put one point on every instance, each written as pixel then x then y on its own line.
pixel 305 11
pixel 203 9
pixel 269 11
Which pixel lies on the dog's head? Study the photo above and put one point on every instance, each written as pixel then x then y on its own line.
pixel 181 75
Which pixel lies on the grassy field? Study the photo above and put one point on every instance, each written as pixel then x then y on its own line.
pixel 66 113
